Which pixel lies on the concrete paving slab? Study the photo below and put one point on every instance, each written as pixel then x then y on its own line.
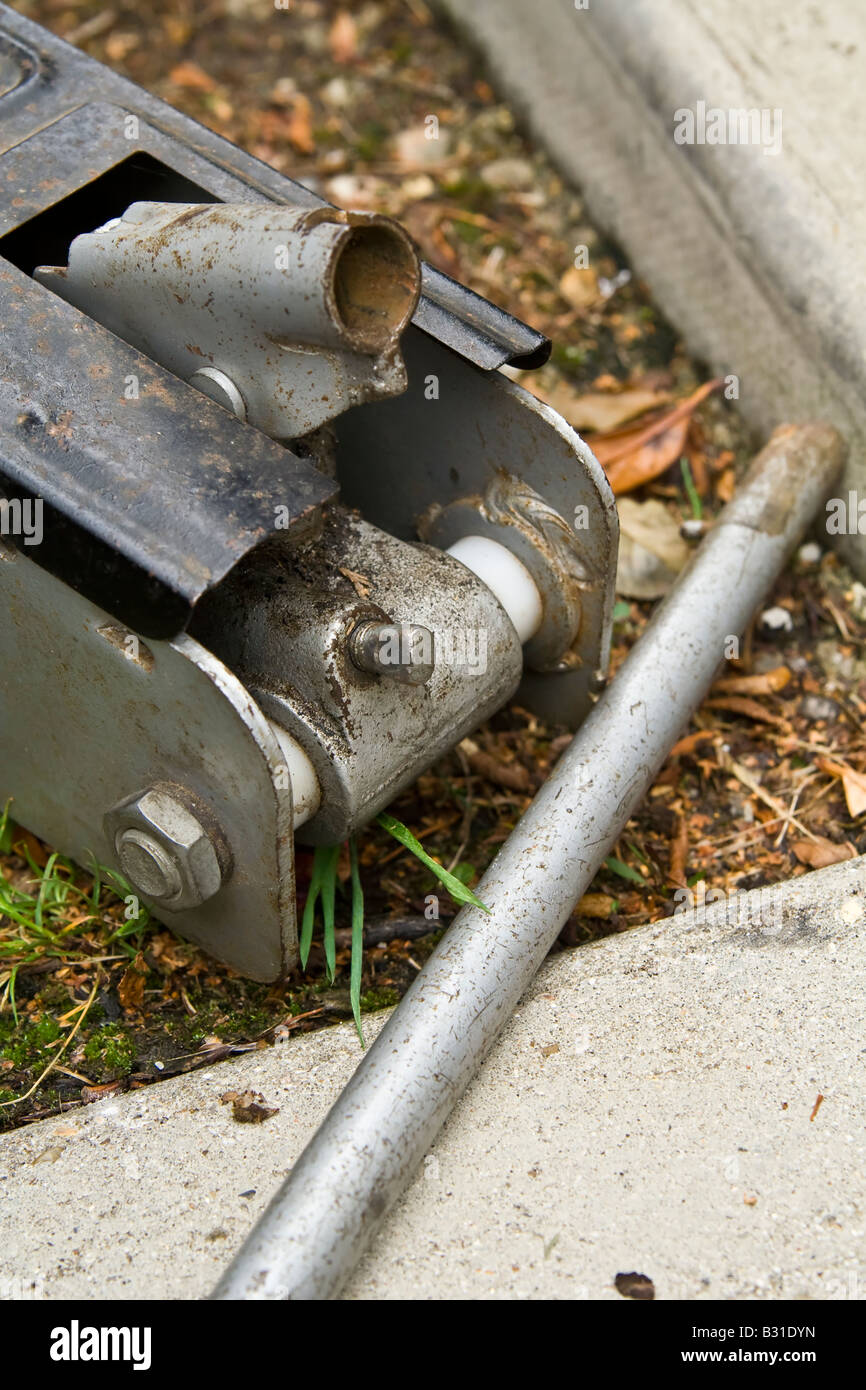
pixel 753 250
pixel 654 1106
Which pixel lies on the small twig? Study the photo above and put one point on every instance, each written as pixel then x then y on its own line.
pixel 792 808
pixel 743 775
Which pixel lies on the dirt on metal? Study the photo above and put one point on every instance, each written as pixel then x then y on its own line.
pixel 765 782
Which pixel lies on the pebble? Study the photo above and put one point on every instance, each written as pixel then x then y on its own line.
pixel 774 622
pixel 818 707
pixel 414 147
pixel 420 186
pixel 508 173
pixel 337 92
pixel 353 190
pixel 810 553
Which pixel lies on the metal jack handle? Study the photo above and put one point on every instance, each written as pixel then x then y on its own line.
pixel 357 1165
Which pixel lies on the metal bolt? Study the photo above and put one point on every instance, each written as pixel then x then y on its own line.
pixel 401 651
pixel 169 847
pixel 214 383
pixel 146 864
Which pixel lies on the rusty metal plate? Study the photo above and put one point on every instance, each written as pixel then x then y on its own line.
pixel 82 726
pixel 151 492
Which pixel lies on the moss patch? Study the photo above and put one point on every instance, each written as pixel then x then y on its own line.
pixel 109 1053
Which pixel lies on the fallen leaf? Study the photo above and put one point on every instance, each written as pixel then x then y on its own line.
pixel 635 1286
pixel 91 1093
pixel 767 683
pixel 637 456
pixel 26 844
pixel 191 77
pixel 512 776
pixel 679 849
pixel 818 854
pixel 649 460
pixel 651 550
pixel 740 704
pixel 691 741
pixel 725 485
pixel 853 784
pixel 579 287
pixel 598 411
pixel 130 990
pixel 248 1107
pixel 343 37
pixel 299 130
pixel 596 905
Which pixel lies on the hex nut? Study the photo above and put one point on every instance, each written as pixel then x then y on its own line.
pixel 169 847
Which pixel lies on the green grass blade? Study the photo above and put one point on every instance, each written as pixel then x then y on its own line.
pixel 624 870
pixel 458 890
pixel 330 856
pixel 691 491
pixel 5 831
pixel 357 939
pixel 310 910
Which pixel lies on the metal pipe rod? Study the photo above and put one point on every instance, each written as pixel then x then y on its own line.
pixel 378 1131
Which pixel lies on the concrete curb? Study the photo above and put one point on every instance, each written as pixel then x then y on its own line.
pixel 648 1108
pixel 756 258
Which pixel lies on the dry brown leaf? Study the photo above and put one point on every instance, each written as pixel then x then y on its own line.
pixel 23 841
pixel 740 704
pixel 579 287
pixel 691 741
pixel 600 411
pixel 343 37
pixel 95 1092
pixel 637 456
pixel 512 776
pixel 853 784
pixel 596 905
pixel 300 127
pixel 726 485
pixel 819 853
pixel 767 683
pixel 679 851
pixel 191 77
pixel 651 550
pixel 649 459
pixel 248 1107
pixel 130 990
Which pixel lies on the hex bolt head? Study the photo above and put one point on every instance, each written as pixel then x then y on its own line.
pixel 147 865
pixel 169 847
pixel 403 652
